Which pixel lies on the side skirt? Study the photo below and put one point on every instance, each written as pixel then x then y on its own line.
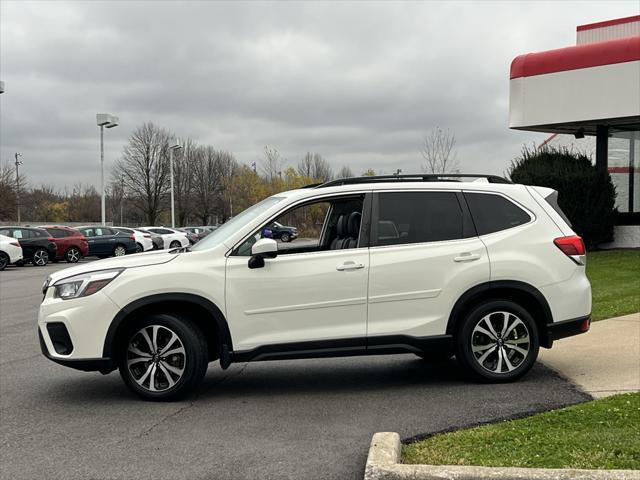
pixel 383 345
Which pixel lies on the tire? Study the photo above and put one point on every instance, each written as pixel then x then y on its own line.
pixel 4 260
pixel 139 248
pixel 72 255
pixel 119 251
pixel 285 237
pixel 512 350
pixel 435 357
pixel 40 257
pixel 140 364
pixel 175 244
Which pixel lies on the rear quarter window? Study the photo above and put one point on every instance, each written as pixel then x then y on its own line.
pixel 494 213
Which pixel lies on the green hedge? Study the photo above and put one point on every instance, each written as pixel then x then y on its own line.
pixel 586 195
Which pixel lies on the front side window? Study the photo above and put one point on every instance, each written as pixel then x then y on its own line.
pixel 327 224
pixel 416 217
pixel 493 213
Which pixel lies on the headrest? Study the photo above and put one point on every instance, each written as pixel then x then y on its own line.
pixel 353 224
pixel 341 226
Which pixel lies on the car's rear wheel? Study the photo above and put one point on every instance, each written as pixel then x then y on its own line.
pixel 119 251
pixel 139 248
pixel 163 357
pixel 40 257
pixel 72 255
pixel 4 260
pixel 175 244
pixel 498 341
pixel 285 237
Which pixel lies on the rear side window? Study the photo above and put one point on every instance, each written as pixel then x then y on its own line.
pixel 493 213
pixel 416 217
pixel 58 232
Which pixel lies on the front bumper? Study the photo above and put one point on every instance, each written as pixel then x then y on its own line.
pixel 568 328
pixel 73 332
pixel 103 365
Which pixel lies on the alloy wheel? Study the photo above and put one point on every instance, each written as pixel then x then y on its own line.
pixel 500 342
pixel 4 260
pixel 139 248
pixel 40 258
pixel 175 244
pixel 119 251
pixel 73 255
pixel 156 358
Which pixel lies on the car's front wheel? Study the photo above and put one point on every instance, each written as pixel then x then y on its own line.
pixel 163 357
pixel 119 251
pixel 498 341
pixel 285 237
pixel 139 248
pixel 175 244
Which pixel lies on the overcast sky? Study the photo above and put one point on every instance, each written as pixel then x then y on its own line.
pixel 360 83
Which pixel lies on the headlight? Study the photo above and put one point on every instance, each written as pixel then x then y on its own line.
pixel 84 284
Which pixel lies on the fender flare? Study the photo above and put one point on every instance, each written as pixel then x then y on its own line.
pixel 212 308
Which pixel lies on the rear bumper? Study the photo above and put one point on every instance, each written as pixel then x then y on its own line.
pixel 568 328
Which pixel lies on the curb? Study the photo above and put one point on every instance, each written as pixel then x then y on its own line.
pixel 383 463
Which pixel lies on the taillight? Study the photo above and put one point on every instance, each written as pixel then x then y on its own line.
pixel 15 244
pixel 147 236
pixel 132 237
pixel 51 239
pixel 570 246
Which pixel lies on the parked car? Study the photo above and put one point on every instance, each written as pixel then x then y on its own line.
pixel 157 240
pixel 108 242
pixel 281 232
pixel 486 271
pixel 143 239
pixel 71 244
pixel 172 238
pixel 198 232
pixel 192 237
pixel 38 246
pixel 10 251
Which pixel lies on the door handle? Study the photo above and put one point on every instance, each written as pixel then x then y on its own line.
pixel 346 266
pixel 467 257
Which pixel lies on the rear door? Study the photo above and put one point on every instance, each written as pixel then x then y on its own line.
pixel 424 256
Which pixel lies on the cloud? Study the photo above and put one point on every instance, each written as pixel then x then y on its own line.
pixel 357 82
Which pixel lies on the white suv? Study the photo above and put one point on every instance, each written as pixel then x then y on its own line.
pixel 484 270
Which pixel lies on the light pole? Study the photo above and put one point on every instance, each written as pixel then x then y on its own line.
pixel 18 163
pixel 109 121
pixel 121 196
pixel 172 149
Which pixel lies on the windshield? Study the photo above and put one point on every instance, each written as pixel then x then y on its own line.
pixel 220 234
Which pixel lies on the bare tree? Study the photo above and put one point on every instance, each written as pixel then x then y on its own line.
pixel 345 172
pixel 7 192
pixel 271 164
pixel 315 167
pixel 228 167
pixel 438 151
pixel 145 168
pixel 207 186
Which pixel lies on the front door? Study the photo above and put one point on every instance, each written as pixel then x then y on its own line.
pixel 313 293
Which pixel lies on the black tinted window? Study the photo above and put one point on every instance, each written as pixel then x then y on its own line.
pixel 57 232
pixel 492 213
pixel 414 217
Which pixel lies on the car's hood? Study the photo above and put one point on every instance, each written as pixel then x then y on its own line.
pixel 127 261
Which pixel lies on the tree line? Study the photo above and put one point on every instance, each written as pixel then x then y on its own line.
pixel 210 185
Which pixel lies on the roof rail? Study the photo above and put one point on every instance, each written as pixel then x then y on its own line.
pixel 418 177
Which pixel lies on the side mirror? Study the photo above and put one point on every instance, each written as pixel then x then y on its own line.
pixel 263 248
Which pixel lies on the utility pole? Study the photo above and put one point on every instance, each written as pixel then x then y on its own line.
pixel 18 163
pixel 121 196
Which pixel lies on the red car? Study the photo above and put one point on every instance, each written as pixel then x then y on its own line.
pixel 72 245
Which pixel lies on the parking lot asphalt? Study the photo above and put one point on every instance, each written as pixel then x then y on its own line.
pixel 299 419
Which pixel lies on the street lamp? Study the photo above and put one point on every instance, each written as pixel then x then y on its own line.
pixel 18 163
pixel 109 121
pixel 172 149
